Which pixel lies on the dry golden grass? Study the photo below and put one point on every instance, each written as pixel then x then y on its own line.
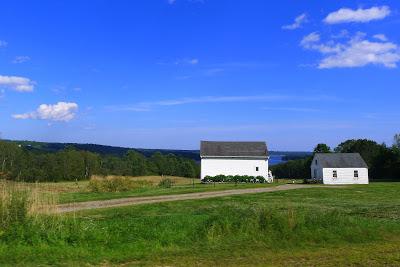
pixel 51 187
pixel 54 188
pixel 155 180
pixel 31 194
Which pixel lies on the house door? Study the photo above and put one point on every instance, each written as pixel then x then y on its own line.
pixel 315 173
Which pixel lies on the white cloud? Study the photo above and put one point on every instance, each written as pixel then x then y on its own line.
pixel 21 59
pixel 310 39
pixel 194 61
pixel 312 42
pixel 345 15
pixel 298 21
pixel 357 52
pixel 187 61
pixel 3 43
pixel 380 37
pixel 19 84
pixel 62 111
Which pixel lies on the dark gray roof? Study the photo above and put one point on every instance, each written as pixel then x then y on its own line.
pixel 340 160
pixel 233 149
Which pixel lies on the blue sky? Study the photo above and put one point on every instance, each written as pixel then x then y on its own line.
pixel 167 74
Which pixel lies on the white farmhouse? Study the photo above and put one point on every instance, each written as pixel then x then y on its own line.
pixel 339 168
pixel 233 158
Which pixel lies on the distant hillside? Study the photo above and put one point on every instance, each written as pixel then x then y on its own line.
pixel 119 151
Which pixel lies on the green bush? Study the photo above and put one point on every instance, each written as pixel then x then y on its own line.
pixel 234 179
pixel 166 183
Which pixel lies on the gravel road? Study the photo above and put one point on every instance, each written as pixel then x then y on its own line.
pixel 158 199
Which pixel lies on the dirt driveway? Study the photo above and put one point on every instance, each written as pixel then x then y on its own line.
pixel 158 199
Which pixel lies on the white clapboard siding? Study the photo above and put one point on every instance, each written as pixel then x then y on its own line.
pixel 316 171
pixel 234 166
pixel 345 176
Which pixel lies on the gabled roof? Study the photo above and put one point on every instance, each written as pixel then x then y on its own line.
pixel 233 149
pixel 340 160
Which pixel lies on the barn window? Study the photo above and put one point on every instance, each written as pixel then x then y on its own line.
pixel 256 169
pixel 355 174
pixel 335 174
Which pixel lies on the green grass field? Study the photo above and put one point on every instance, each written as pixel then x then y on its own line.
pixel 355 225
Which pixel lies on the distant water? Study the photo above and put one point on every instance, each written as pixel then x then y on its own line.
pixel 276 159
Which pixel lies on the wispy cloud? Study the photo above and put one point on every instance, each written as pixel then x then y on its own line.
pixel 187 61
pixel 62 111
pixel 16 83
pixel 298 22
pixel 3 43
pixel 171 2
pixel 356 52
pixel 148 106
pixel 291 109
pixel 380 37
pixel 214 69
pixel 21 59
pixel 345 15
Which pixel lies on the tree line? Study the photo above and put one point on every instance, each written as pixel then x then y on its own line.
pixel 383 161
pixel 20 164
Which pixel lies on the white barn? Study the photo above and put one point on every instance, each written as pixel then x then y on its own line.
pixel 339 168
pixel 233 158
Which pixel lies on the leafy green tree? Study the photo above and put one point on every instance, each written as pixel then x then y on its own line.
pixel 32 164
pixel 136 163
pixel 396 142
pixel 293 169
pixel 322 148
pixel 92 163
pixel 73 165
pixel 383 162
pixel 368 149
pixel 187 169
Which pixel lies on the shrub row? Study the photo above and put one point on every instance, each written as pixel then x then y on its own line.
pixel 234 179
pixel 166 183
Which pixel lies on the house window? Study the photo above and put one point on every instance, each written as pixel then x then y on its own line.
pixel 316 162
pixel 256 169
pixel 334 174
pixel 356 174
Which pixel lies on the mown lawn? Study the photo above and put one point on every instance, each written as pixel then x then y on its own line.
pixel 355 225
